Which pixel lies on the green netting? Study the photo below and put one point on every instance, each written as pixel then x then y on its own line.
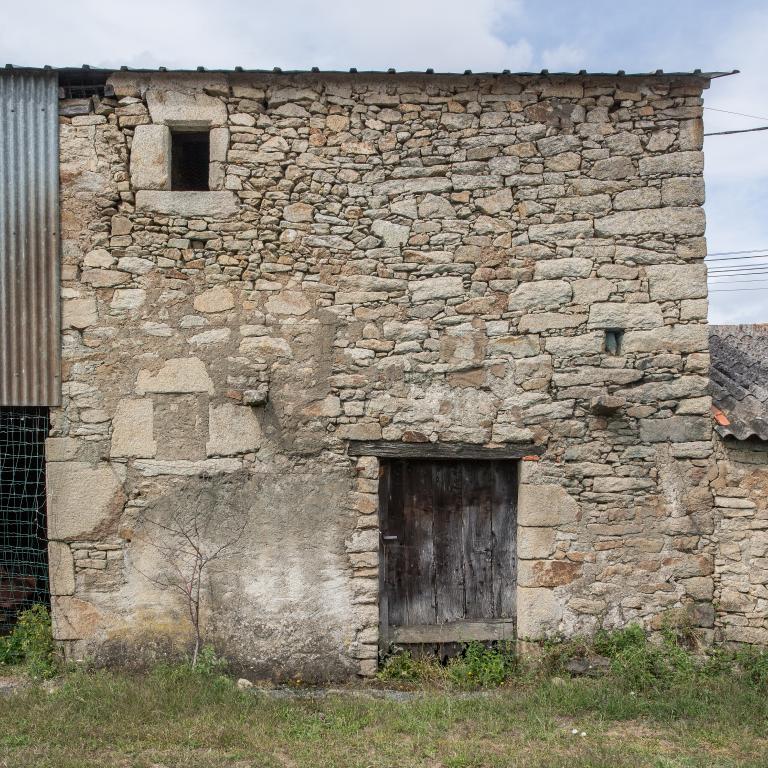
pixel 23 548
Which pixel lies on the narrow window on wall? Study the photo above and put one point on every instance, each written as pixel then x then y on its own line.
pixel 190 156
pixel 613 340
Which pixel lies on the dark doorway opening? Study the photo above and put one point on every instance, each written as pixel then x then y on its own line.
pixel 448 551
pixel 190 158
pixel 23 522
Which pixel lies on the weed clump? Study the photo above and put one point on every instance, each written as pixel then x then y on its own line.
pixel 31 644
pixel 482 667
pixel 752 665
pixel 477 666
pixel 403 667
pixel 206 667
pixel 629 657
pixel 640 664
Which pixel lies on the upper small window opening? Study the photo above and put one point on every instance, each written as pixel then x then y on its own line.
pixel 190 156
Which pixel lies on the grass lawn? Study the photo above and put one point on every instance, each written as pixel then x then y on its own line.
pixel 175 718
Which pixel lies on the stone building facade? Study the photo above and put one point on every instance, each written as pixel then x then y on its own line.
pixel 739 387
pixel 492 262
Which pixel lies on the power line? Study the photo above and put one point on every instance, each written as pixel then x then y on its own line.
pixel 739 274
pixel 737 268
pixel 735 253
pixel 738 265
pixel 740 114
pixel 743 130
pixel 731 290
pixel 720 283
pixel 743 263
pixel 739 258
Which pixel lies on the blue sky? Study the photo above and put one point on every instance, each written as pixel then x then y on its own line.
pixel 481 35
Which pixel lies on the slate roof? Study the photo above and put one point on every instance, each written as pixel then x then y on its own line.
pixel 739 379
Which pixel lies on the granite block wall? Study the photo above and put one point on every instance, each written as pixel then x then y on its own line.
pixel 486 260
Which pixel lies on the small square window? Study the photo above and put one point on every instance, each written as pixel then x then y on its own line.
pixel 190 158
pixel 613 339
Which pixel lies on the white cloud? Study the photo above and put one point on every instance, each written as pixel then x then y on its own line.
pixel 741 155
pixel 736 168
pixel 736 221
pixel 406 34
pixel 564 58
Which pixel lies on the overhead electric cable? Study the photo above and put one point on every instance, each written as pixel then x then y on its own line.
pixel 727 290
pixel 740 114
pixel 739 258
pixel 739 274
pixel 734 253
pixel 741 264
pixel 737 268
pixel 742 130
pixel 740 268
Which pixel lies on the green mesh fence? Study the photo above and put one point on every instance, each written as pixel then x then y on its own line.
pixel 23 548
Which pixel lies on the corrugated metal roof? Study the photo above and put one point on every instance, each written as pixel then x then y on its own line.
pixel 86 68
pixel 30 345
pixel 739 379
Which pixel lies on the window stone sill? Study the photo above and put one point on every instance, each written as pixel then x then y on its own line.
pixel 215 204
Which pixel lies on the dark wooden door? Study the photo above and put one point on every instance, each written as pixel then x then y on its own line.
pixel 448 550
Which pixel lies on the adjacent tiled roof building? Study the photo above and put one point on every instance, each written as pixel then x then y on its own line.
pixel 739 380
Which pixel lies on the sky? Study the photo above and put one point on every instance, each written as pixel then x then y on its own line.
pixel 454 35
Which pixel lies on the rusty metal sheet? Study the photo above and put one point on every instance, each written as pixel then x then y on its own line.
pixel 30 345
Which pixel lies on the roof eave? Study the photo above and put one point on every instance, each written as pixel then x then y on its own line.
pixel 659 73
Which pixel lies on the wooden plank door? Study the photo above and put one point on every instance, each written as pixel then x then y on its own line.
pixel 448 550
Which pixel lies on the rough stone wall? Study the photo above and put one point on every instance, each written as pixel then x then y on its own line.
pixel 741 535
pixel 382 257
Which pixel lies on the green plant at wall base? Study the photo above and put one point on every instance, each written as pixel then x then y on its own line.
pixel 753 665
pixel 476 667
pixel 208 671
pixel 638 662
pixel 399 667
pixel 10 650
pixel 402 667
pixel 617 641
pixel 556 652
pixel 748 664
pixel 209 664
pixel 31 644
pixel 483 667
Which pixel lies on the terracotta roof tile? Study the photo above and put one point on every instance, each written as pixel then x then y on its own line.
pixel 739 379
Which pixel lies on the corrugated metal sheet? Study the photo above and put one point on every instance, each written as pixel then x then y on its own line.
pixel 30 356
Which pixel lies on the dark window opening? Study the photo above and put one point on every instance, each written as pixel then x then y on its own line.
pixel 613 340
pixel 23 524
pixel 190 155
pixel 85 82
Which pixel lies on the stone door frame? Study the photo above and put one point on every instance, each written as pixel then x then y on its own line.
pixel 364 546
